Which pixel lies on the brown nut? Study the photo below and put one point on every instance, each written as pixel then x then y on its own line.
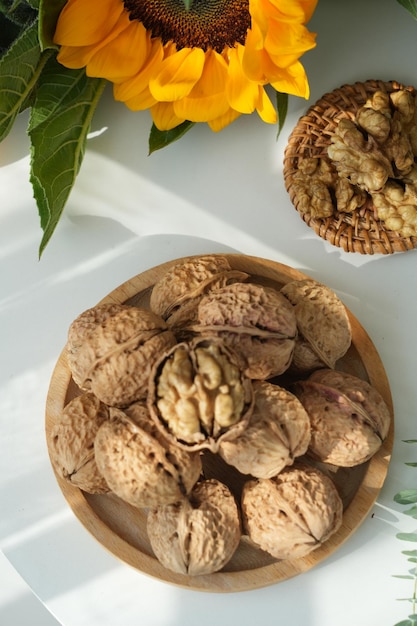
pixel 278 432
pixel 257 322
pixel 198 395
pixel 324 331
pixel 116 356
pixel 349 418
pixel 293 513
pixel 175 296
pixel 78 333
pixel 140 466
pixel 198 535
pixel 71 443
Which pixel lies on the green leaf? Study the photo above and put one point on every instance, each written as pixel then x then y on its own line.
pixel 406 576
pixel 411 512
pixel 20 69
pixel 49 11
pixel 282 109
pixel 60 121
pixel 409 440
pixel 406 496
pixel 410 5
pixel 407 536
pixel 411 464
pixel 405 622
pixel 162 138
pixel 409 552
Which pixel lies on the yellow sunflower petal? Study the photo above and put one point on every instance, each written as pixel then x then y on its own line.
pixel 82 23
pixel 207 99
pixel 242 93
pixel 135 90
pixel 265 108
pixel 164 116
pixel 293 81
pixel 224 120
pixel 177 75
pixel 286 43
pixel 123 56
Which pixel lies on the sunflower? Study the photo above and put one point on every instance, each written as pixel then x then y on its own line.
pixel 190 60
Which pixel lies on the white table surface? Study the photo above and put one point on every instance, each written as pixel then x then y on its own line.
pixel 207 193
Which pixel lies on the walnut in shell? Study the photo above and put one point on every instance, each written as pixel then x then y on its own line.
pixel 278 431
pixel 175 296
pixel 71 443
pixel 78 333
pixel 197 535
pixel 115 357
pixel 198 394
pixel 324 331
pixel 293 513
pixel 139 464
pixel 257 322
pixel 349 418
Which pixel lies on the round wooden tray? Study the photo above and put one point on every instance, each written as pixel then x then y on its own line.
pixel 359 231
pixel 121 528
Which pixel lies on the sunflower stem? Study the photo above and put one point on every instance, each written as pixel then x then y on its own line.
pixel 187 4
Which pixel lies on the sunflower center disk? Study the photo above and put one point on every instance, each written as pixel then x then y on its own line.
pixel 207 24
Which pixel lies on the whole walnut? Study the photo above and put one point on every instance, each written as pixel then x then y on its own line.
pixel 257 322
pixel 115 357
pixel 176 294
pixel 197 535
pixel 278 431
pixel 324 330
pixel 80 330
pixel 293 513
pixel 71 443
pixel 139 464
pixel 198 394
pixel 349 418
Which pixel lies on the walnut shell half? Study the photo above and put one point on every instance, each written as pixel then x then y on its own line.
pixel 197 535
pixel 349 418
pixel 324 328
pixel 293 513
pixel 198 394
pixel 139 464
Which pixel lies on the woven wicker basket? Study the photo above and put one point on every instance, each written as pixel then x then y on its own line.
pixel 359 231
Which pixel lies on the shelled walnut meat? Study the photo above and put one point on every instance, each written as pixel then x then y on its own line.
pixel 114 358
pixel 348 416
pixel 71 443
pixel 293 513
pixel 175 296
pixel 197 535
pixel 278 431
pixel 324 331
pixel 139 464
pixel 198 395
pixel 257 322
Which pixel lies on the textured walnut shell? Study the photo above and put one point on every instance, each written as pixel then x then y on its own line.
pixel 197 535
pixel 116 356
pixel 71 443
pixel 175 296
pixel 257 322
pixel 139 465
pixel 293 513
pixel 198 395
pixel 78 333
pixel 324 329
pixel 349 418
pixel 278 431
